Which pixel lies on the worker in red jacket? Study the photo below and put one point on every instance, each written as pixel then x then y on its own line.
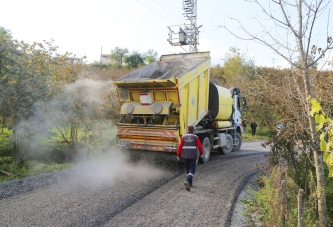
pixel 188 149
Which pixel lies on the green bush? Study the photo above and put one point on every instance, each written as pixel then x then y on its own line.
pixel 50 152
pixel 5 142
pixel 263 131
pixel 15 171
pixel 53 148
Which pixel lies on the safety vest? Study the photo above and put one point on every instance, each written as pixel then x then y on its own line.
pixel 189 149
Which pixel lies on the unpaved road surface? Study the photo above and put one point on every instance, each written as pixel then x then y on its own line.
pixel 119 193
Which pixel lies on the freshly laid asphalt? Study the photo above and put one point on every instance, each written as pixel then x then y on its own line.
pixel 118 192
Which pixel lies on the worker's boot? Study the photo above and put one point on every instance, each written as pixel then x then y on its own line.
pixel 189 179
pixel 187 186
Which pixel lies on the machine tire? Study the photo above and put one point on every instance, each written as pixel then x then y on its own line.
pixel 238 142
pixel 206 150
pixel 229 146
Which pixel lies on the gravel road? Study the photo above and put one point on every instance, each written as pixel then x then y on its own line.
pixel 116 192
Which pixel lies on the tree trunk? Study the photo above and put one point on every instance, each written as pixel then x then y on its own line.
pixel 319 165
pixel 305 177
pixel 318 158
pixel 301 221
pixel 283 203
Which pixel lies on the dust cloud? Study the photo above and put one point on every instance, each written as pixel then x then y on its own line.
pixel 115 166
pixel 85 104
pixel 82 105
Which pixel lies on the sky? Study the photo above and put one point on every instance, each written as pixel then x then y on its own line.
pixel 89 28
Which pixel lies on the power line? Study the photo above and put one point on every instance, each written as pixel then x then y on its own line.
pixel 166 9
pixel 209 30
pixel 154 11
pixel 175 7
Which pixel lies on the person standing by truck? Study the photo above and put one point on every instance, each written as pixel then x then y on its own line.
pixel 243 124
pixel 188 149
pixel 253 128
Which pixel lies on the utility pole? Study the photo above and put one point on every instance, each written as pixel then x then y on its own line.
pixel 273 62
pixel 100 59
pixel 189 34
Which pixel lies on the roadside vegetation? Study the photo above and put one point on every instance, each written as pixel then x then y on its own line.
pixel 296 98
pixel 57 110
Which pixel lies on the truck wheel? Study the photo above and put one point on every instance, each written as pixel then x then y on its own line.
pixel 206 150
pixel 229 146
pixel 238 142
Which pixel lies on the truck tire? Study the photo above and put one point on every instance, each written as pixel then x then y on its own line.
pixel 229 146
pixel 206 150
pixel 238 142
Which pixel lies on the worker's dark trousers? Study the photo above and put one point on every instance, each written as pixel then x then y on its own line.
pixel 190 165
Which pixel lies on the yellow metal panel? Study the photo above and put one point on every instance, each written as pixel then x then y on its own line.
pixel 221 124
pixel 183 111
pixel 225 104
pixel 148 134
pixel 187 77
pixel 135 95
pixel 203 93
pixel 172 96
pixel 193 101
pixel 159 96
pixel 155 139
pixel 194 90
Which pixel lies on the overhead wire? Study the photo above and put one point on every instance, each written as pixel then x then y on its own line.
pixel 154 11
pixel 210 30
pixel 167 10
pixel 174 7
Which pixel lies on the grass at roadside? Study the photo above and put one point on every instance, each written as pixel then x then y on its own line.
pixel 250 138
pixel 32 168
pixel 261 207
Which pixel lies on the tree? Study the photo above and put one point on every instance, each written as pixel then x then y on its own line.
pixel 234 63
pixel 134 59
pixel 150 56
pixel 77 109
pixel 217 74
pixel 5 35
pixel 313 65
pixel 30 74
pixel 5 47
pixel 236 66
pixel 118 55
pixel 301 29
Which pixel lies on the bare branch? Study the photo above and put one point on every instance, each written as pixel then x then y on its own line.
pixel 311 29
pixel 63 136
pixel 254 38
